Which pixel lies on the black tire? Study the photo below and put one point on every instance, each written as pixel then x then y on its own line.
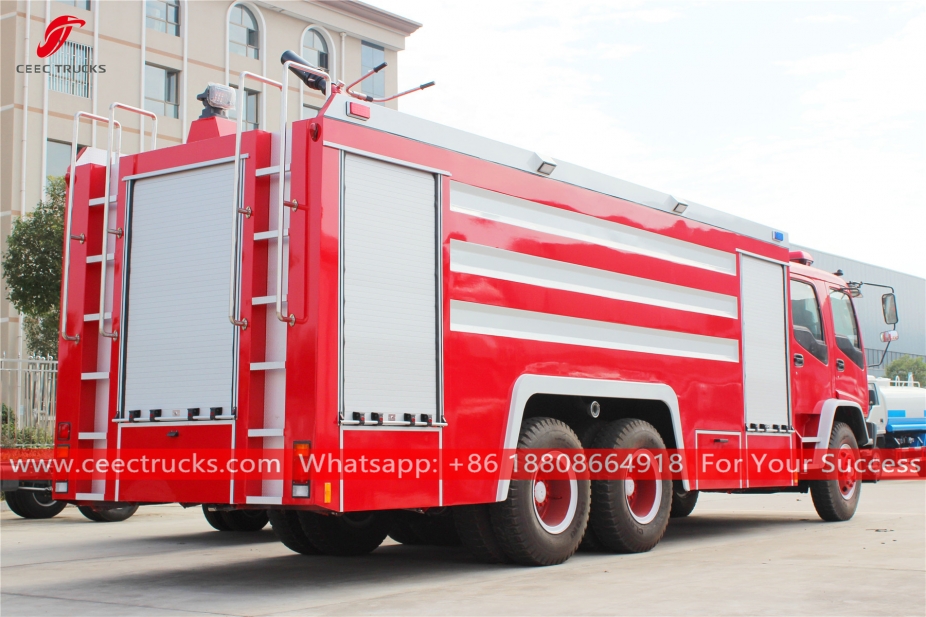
pixel 586 433
pixel 833 499
pixel 525 533
pixel 113 515
pixel 245 520
pixel 617 525
pixel 683 502
pixel 474 527
pixel 428 529
pixel 34 504
pixel 12 502
pixel 354 533
pixel 406 529
pixel 214 517
pixel 90 514
pixel 286 525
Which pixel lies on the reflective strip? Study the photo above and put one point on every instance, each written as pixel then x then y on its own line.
pixel 558 222
pixel 515 323
pixel 469 258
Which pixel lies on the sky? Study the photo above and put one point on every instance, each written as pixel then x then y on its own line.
pixel 806 116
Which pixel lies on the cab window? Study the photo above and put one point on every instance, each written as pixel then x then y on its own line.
pixel 805 314
pixel 845 327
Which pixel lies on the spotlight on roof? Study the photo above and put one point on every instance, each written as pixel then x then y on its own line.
pixel 543 164
pixel 217 99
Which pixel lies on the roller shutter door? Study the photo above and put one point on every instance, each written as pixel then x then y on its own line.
pixel 389 312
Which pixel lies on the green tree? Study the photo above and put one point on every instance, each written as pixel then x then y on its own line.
pixel 901 367
pixel 32 269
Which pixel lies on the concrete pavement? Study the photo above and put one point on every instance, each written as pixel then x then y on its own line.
pixel 736 555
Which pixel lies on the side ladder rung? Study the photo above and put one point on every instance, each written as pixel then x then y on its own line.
pixel 269 235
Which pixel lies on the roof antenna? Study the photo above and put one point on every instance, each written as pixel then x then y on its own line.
pixel 370 99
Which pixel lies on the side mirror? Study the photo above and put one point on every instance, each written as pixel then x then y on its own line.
pixel 889 308
pixel 889 336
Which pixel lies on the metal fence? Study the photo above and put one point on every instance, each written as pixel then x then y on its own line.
pixel 873 356
pixel 28 390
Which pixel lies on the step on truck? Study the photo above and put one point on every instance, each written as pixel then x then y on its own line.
pixel 367 280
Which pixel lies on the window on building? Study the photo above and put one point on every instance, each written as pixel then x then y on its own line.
pixel 371 56
pixel 251 115
pixel 80 4
pixel 58 157
pixel 161 91
pixel 243 33
pixel 70 69
pixel 163 16
pixel 315 49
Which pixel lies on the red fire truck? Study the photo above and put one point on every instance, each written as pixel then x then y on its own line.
pixel 366 280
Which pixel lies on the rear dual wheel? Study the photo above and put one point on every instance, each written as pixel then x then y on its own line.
pixel 631 515
pixel 235 520
pixel 543 520
pixel 108 515
pixel 33 504
pixel 309 533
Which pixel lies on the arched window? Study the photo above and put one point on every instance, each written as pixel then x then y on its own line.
pixel 243 33
pixel 315 49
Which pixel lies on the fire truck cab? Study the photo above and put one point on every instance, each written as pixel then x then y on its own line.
pixel 366 281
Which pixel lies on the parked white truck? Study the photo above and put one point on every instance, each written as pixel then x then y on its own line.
pixel 898 411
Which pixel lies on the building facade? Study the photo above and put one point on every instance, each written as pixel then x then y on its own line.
pixel 911 306
pixel 158 55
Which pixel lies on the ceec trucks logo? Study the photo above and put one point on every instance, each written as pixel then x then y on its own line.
pixel 57 33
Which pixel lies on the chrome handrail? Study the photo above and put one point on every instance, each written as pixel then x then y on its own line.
pixel 106 198
pixel 70 209
pixel 281 201
pixel 233 316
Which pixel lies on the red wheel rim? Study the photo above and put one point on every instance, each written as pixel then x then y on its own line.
pixel 555 501
pixel 847 478
pixel 643 494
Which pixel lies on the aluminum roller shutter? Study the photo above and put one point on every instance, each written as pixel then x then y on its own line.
pixel 179 344
pixel 389 327
pixel 765 351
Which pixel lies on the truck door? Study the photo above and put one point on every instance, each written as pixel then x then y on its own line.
pixel 811 375
pixel 851 376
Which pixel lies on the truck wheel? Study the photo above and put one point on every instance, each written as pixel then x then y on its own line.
pixel 245 520
pixel 837 499
pixel 12 501
pixel 630 515
pixel 286 525
pixel 34 504
pixel 108 515
pixel 354 533
pixel 683 502
pixel 215 518
pixel 474 526
pixel 414 528
pixel 406 529
pixel 543 520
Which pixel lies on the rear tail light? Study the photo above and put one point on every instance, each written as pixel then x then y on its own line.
pixel 64 431
pixel 62 451
pixel 301 452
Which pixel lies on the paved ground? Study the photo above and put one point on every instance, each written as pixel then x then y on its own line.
pixel 736 555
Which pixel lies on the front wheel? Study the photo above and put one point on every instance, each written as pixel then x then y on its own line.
pixel 837 499
pixel 543 520
pixel 683 502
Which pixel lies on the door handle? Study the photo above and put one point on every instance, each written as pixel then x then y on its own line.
pixel 721 440
pixel 840 365
pixel 798 360
pixel 173 433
